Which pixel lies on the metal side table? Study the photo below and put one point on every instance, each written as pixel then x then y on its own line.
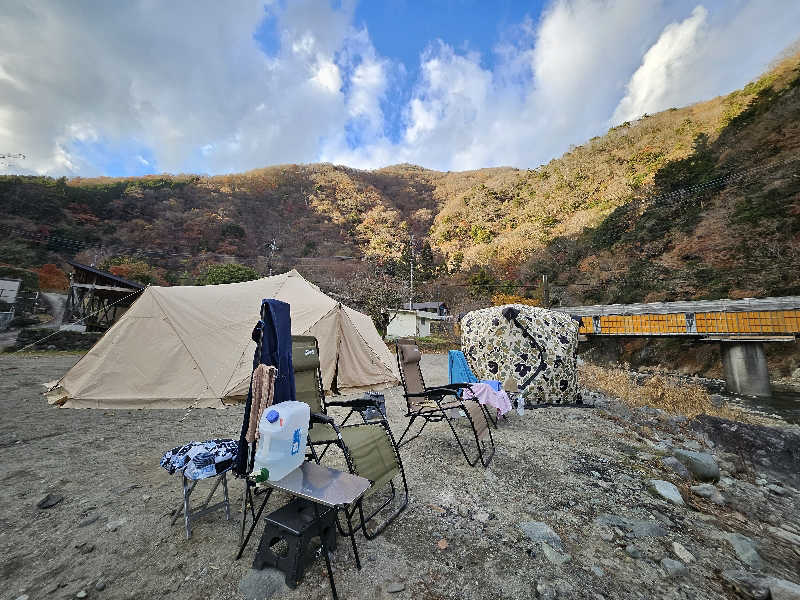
pixel 322 486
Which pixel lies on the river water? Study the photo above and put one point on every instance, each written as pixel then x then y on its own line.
pixel 785 405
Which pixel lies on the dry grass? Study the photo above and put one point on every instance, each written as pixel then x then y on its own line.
pixel 657 391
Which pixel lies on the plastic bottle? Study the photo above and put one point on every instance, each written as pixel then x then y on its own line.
pixel 281 446
pixel 520 404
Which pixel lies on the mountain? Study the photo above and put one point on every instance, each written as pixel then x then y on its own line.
pixel 695 202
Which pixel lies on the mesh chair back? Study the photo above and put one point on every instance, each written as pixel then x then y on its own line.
pixel 305 356
pixel 479 420
pixel 372 453
pixel 408 357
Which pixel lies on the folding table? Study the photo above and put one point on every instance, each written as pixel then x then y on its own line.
pixel 322 486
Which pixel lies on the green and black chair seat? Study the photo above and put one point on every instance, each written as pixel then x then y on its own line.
pixel 369 448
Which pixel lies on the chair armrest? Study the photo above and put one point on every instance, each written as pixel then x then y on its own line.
pixel 357 403
pixel 320 418
pixel 433 391
pixel 456 386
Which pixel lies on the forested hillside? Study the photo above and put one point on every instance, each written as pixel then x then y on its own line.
pixel 694 202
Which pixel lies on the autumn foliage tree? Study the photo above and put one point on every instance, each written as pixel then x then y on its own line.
pixel 135 269
pixel 52 279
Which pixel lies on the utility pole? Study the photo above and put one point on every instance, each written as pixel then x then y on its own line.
pixel 545 292
pixel 411 262
pixel 269 249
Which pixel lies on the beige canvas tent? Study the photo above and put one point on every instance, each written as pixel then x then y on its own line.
pixel 190 346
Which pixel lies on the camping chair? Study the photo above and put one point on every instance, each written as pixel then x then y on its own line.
pixel 369 448
pixel 429 405
pixel 459 371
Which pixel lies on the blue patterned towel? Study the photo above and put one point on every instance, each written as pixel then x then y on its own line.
pixel 199 460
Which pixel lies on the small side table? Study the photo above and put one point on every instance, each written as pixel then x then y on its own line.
pixel 325 487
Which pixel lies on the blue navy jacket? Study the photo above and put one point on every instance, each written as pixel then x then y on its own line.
pixel 276 347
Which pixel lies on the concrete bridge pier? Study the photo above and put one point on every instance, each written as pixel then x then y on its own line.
pixel 745 368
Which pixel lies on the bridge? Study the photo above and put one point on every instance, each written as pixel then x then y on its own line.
pixel 740 326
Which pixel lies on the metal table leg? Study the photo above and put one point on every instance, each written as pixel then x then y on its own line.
pixel 325 550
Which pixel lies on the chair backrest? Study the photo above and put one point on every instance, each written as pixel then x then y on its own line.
pixel 307 382
pixel 408 357
pixel 372 453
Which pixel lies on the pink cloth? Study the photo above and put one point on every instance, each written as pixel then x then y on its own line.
pixel 483 393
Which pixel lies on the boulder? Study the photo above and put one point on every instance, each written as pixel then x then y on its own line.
pixel 667 491
pixel 707 490
pixel 674 568
pixel 745 550
pixel 676 466
pixel 701 464
pixel 781 589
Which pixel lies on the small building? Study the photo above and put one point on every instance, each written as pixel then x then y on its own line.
pixel 408 323
pixel 9 288
pixel 437 308
pixel 97 298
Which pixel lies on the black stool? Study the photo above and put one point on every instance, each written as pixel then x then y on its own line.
pixel 294 524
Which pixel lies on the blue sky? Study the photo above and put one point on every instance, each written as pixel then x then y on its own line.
pixel 195 86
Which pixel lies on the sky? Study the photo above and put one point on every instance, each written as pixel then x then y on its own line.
pixel 93 88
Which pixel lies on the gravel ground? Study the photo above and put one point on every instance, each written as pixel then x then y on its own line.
pixel 575 478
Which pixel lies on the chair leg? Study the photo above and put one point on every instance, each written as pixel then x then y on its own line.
pixel 492 421
pixel 401 443
pixel 352 535
pixel 245 498
pixel 187 515
pixel 472 462
pixel 227 500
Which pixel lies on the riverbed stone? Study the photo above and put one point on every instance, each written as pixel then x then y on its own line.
pixel 701 464
pixel 709 491
pixel 554 556
pixel 634 528
pixel 781 589
pixel 633 551
pixel 666 490
pixel 746 584
pixel 745 549
pixel 676 466
pixel 674 568
pixel 786 536
pixel 682 553
pixel 49 501
pixel 537 531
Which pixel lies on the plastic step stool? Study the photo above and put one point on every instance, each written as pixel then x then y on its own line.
pixel 295 525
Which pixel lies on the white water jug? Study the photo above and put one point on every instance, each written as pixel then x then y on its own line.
pixel 281 446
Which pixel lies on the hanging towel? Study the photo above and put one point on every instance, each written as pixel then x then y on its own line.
pixel 263 392
pixel 485 394
pixel 458 368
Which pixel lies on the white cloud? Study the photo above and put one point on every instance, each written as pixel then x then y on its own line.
pixel 664 68
pixel 187 82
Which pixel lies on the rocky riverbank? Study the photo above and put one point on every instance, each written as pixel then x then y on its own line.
pixel 600 503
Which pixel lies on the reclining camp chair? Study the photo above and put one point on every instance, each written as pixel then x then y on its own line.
pixel 459 371
pixel 369 448
pixel 429 405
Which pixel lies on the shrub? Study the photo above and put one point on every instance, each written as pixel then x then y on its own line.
pixel 227 273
